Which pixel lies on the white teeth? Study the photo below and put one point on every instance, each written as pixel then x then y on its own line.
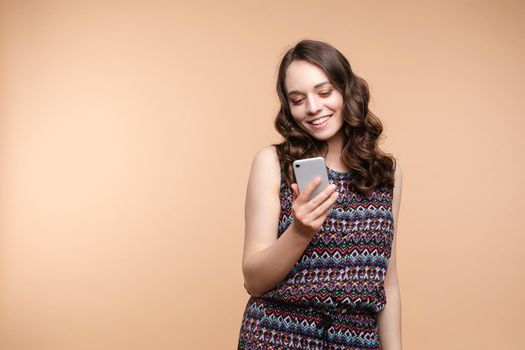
pixel 320 121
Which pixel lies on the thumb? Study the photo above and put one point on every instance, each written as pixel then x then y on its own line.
pixel 295 191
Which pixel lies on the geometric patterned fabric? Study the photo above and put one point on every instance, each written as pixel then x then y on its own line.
pixel 331 296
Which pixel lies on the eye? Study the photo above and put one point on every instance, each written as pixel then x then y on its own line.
pixel 296 102
pixel 325 93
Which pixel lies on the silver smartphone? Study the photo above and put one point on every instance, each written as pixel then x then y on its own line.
pixel 307 169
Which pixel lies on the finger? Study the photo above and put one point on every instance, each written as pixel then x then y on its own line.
pixel 318 220
pixel 294 190
pixel 322 210
pixel 321 197
pixel 306 194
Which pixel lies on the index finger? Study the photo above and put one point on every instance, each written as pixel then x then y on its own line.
pixel 310 188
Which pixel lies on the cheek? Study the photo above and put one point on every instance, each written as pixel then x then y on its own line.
pixel 336 104
pixel 297 112
pixel 336 101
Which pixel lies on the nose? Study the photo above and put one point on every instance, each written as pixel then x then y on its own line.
pixel 313 105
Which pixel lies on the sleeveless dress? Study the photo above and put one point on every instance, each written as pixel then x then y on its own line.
pixel 331 296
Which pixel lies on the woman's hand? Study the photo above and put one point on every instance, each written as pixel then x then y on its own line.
pixel 309 214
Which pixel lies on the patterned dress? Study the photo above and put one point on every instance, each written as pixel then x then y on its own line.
pixel 331 297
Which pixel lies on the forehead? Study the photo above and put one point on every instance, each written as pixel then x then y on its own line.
pixel 303 76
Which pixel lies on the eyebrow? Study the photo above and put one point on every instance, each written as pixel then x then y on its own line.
pixel 315 87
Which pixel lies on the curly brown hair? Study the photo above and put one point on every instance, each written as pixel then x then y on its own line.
pixel 370 166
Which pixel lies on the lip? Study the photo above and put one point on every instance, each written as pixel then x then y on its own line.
pixel 311 120
pixel 320 126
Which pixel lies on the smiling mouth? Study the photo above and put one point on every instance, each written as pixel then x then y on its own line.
pixel 321 120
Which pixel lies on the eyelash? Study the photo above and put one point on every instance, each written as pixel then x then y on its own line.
pixel 323 94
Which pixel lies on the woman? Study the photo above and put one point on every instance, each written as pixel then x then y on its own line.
pixel 321 270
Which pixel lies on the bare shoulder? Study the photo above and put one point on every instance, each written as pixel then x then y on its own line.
pixel 398 175
pixel 266 165
pixel 398 188
pixel 268 154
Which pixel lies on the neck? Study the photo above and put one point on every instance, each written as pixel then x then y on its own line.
pixel 335 146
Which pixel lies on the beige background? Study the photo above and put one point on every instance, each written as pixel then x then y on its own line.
pixel 127 134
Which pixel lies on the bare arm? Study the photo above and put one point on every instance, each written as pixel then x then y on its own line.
pixel 266 259
pixel 265 269
pixel 389 319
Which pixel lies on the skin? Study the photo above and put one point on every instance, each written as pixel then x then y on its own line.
pixel 308 102
pixel 266 259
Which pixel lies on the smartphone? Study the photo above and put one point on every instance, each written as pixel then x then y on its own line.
pixel 306 170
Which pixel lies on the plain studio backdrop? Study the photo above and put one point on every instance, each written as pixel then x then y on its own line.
pixel 127 133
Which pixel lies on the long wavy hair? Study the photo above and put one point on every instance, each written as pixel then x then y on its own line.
pixel 370 166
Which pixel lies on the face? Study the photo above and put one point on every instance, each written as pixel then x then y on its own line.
pixel 312 97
